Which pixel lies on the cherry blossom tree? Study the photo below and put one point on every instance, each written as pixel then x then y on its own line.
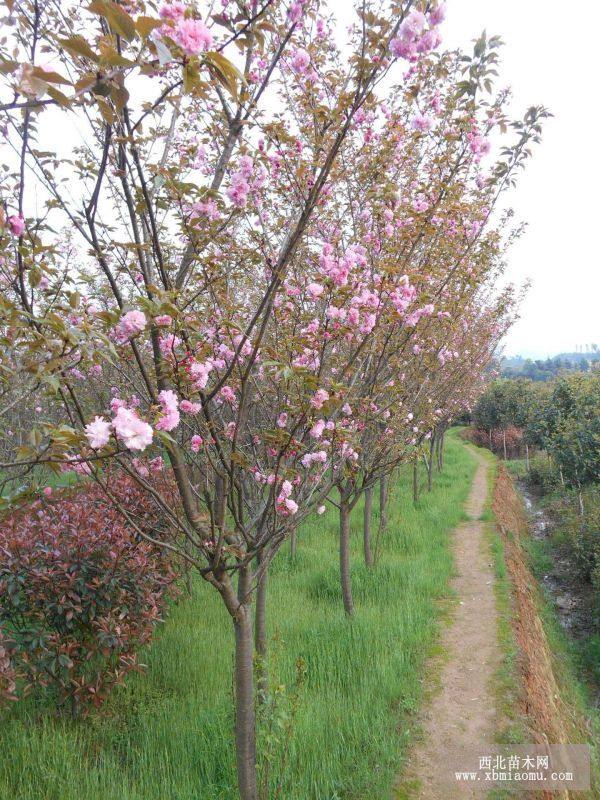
pixel 249 258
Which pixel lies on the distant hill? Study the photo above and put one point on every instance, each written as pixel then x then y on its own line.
pixel 544 369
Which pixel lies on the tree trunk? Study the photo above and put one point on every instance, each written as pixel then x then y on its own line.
pixel 415 481
pixel 383 499
pixel 245 723
pixel 345 577
pixel 504 442
pixel 220 505
pixel 260 635
pixel 367 526
pixel 293 543
pixel 430 464
pixel 440 451
pixel 527 457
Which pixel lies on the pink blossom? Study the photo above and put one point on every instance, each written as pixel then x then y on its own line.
pixel 196 443
pixel 199 373
pixel 437 15
pixel 282 420
pixel 239 189
pixel 168 344
pixel 314 290
pixel 130 324
pixel 172 11
pixel 98 432
pixel 317 429
pixel 422 123
pixel 412 25
pixel 429 41
pixel 321 510
pixel 189 408
pixel 193 36
pixel 300 61
pixel 163 320
pixel 48 491
pixel 134 432
pixel 16 223
pixel 403 48
pixel 228 394
pixel 319 398
pixel 170 413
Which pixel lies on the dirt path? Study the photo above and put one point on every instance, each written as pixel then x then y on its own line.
pixel 461 716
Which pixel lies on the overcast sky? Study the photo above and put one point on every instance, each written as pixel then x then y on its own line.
pixel 548 59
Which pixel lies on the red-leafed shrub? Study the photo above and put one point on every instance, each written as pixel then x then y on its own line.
pixel 495 440
pixel 80 593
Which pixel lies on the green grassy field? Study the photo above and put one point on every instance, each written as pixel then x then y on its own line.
pixel 340 733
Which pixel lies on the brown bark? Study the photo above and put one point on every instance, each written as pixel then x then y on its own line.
pixel 293 543
pixel 430 463
pixel 345 576
pixel 245 723
pixel 383 499
pixel 367 526
pixel 415 481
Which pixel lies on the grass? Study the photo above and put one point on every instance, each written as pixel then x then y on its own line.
pixel 167 734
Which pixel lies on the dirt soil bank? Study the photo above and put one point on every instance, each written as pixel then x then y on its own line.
pixel 548 717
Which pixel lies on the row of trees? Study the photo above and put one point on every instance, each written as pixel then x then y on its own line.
pixel 546 369
pixel 253 258
pixel 561 417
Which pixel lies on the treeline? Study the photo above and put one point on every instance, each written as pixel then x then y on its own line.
pixel 549 368
pixel 558 424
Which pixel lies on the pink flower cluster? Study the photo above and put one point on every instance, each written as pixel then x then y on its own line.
pixel 131 324
pixel 245 179
pixel 128 427
pixel 300 61
pixel 170 418
pixel 413 38
pixel 192 35
pixel 284 504
pixel 319 457
pixel 422 123
pixel 16 223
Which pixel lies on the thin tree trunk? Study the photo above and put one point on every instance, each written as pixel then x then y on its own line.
pixel 260 634
pixel 430 464
pixel 527 457
pixel 440 451
pixel 345 576
pixel 367 526
pixel 220 501
pixel 293 543
pixel 245 722
pixel 383 500
pixel 415 481
pixel 504 442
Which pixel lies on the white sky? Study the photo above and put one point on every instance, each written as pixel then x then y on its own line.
pixel 547 60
